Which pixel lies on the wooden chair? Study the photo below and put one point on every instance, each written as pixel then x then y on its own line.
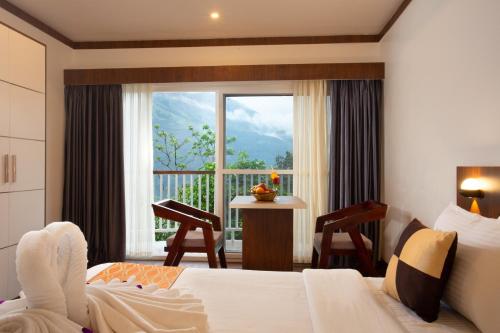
pixel 189 237
pixel 348 242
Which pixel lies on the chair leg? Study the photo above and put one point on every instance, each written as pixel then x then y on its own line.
pixel 178 258
pixel 222 258
pixel 169 260
pixel 314 261
pixel 212 259
pixel 367 265
pixel 323 259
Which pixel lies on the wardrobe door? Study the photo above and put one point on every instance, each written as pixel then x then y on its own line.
pixel 27 113
pixel 26 62
pixel 4 109
pixel 4 267
pixel 26 213
pixel 13 286
pixel 4 220
pixel 4 164
pixel 4 55
pixel 27 165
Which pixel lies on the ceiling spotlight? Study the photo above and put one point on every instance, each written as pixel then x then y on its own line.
pixel 214 15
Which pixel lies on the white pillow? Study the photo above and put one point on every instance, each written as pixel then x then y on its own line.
pixel 474 285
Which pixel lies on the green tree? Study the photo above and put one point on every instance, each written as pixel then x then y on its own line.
pixel 168 148
pixel 244 162
pixel 284 162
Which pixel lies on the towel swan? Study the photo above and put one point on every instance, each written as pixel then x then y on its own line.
pixel 51 266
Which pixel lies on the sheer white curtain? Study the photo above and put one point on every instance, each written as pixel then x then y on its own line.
pixel 138 159
pixel 310 164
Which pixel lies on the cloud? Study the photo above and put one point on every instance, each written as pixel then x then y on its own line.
pixel 272 115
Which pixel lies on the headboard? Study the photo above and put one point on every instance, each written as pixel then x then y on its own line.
pixel 490 179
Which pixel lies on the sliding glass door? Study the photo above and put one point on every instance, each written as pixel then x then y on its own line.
pixel 214 141
pixel 258 132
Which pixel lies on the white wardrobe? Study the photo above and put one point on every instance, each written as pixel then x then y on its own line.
pixel 22 147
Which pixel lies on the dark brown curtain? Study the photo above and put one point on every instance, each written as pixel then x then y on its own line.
pixel 93 182
pixel 356 108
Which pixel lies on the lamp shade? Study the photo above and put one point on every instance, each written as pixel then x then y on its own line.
pixel 471 188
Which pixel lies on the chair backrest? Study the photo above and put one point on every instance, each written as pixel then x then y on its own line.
pixel 184 214
pixel 353 215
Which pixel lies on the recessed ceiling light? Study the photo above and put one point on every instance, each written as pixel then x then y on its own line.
pixel 214 15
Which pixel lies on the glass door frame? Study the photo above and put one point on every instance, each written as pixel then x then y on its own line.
pixel 223 90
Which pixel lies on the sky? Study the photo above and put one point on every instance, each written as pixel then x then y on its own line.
pixel 273 112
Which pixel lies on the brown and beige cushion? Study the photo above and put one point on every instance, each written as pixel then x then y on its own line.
pixel 195 239
pixel 341 241
pixel 420 267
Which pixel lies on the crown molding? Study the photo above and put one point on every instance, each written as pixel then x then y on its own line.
pixel 393 19
pixel 16 11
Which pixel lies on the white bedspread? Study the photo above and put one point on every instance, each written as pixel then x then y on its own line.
pixel 239 301
pixel 342 301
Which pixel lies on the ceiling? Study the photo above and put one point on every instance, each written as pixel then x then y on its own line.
pixel 122 20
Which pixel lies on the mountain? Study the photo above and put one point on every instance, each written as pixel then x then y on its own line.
pixel 175 112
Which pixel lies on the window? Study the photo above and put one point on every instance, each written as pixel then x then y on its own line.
pixel 214 142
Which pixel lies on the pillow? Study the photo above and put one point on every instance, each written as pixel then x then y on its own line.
pixel 474 285
pixel 417 272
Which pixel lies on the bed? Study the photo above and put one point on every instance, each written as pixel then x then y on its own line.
pixel 244 301
pixel 259 301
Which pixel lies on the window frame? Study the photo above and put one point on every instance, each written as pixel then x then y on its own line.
pixel 223 90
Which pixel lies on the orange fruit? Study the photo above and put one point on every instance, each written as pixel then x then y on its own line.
pixel 260 190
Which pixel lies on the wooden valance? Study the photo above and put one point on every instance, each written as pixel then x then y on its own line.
pixel 333 71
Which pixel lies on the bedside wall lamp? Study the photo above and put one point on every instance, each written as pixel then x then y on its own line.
pixel 472 188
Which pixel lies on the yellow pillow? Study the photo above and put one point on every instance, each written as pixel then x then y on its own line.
pixel 419 268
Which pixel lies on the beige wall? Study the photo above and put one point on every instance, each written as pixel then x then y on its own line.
pixel 227 55
pixel 58 58
pixel 442 105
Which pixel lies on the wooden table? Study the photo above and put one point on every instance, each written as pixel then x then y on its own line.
pixel 267 232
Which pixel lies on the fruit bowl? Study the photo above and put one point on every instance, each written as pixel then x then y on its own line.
pixel 262 193
pixel 265 196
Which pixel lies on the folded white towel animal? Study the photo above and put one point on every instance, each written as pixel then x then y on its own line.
pixel 37 274
pixel 51 266
pixel 37 321
pixel 71 264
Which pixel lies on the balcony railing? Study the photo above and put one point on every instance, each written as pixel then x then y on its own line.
pixel 239 182
pixel 197 188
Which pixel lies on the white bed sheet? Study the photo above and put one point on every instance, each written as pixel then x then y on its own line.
pixel 449 321
pixel 256 301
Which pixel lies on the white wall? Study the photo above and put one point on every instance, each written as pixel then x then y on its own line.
pixel 58 58
pixel 442 105
pixel 227 55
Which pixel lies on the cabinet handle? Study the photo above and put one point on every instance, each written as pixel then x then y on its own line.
pixel 6 168
pixel 14 168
